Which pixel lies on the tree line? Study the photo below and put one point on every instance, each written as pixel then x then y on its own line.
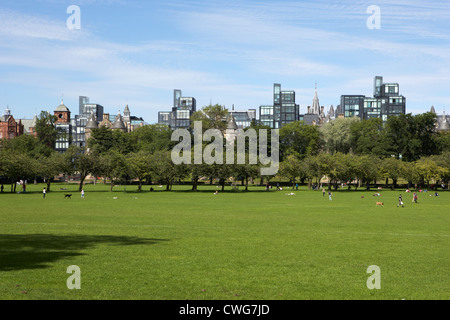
pixel 406 148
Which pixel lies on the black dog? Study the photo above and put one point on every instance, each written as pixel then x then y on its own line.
pixel 68 196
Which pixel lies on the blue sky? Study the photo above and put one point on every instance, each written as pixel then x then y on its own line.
pixel 225 52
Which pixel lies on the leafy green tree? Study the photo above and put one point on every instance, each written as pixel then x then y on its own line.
pixel 165 171
pixel 344 167
pixel 16 166
pixel 46 129
pixel 151 138
pixel 139 164
pixel 81 162
pixel 212 117
pixel 412 136
pixel 123 142
pixel 410 173
pixel 300 139
pixel 367 137
pixel 429 170
pixel 367 169
pixel 391 168
pixel 313 168
pixel 49 167
pixel 337 135
pixel 443 140
pixel 101 140
pixel 443 161
pixel 426 133
pixel 291 168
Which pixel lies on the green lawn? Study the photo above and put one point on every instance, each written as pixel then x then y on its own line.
pixel 234 245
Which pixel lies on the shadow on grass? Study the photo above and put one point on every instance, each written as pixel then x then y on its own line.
pixel 37 251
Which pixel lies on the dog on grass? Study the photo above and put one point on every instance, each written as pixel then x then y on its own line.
pixel 69 196
pixel 380 204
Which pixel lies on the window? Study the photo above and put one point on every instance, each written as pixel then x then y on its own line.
pixel 183 114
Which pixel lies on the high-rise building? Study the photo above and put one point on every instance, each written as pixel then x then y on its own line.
pixel 386 102
pixel 352 106
pixel 79 122
pixel 182 110
pixel 283 111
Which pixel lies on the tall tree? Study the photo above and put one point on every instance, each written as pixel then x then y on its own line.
pixel 151 138
pixel 300 139
pixel 165 171
pixel 212 117
pixel 46 129
pixel 391 168
pixel 337 135
pixel 291 168
pixel 139 164
pixel 367 137
pixel 49 167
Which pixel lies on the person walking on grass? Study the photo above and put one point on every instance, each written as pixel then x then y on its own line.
pixel 43 192
pixel 323 192
pixel 330 195
pixel 82 193
pixel 400 201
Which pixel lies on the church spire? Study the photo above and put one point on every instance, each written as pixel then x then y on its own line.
pixel 315 105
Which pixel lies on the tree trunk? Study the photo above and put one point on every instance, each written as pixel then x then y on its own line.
pixel 194 183
pixel 82 177
pixel 246 183
pixel 48 185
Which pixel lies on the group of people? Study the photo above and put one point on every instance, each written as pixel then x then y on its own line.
pixel 414 199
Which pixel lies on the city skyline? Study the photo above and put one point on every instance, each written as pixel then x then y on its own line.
pixel 224 52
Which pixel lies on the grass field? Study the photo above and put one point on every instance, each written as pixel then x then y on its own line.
pixel 253 245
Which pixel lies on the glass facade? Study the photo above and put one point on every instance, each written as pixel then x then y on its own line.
pixel 244 118
pixel 352 105
pixel 283 111
pixel 164 117
pixel 64 136
pixel 182 110
pixel 266 115
pixel 386 102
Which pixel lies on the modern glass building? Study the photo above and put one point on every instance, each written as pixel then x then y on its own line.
pixel 78 123
pixel 352 105
pixel 386 102
pixel 243 119
pixel 283 111
pixel 182 110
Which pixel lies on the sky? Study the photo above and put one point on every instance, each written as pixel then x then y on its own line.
pixel 119 52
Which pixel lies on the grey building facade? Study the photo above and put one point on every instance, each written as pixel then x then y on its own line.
pixel 386 102
pixel 283 111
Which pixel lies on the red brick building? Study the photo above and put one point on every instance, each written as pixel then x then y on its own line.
pixel 9 127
